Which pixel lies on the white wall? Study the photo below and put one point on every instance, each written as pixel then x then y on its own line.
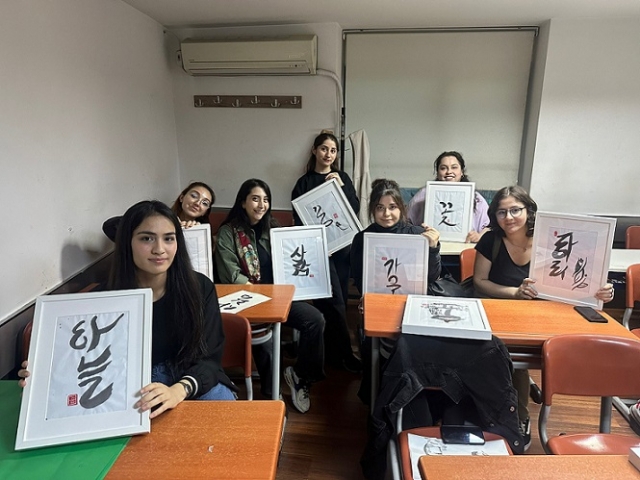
pixel 87 129
pixel 226 146
pixel 588 141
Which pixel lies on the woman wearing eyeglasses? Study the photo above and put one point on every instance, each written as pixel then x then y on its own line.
pixel 502 268
pixel 194 204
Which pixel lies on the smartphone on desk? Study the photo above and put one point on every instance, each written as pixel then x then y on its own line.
pixel 590 314
pixel 462 434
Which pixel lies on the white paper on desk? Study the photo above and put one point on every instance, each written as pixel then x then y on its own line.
pixel 419 446
pixel 241 300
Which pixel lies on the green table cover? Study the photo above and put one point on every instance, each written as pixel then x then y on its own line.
pixel 85 460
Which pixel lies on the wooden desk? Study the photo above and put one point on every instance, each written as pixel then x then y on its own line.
pixel 200 439
pixel 524 467
pixel 454 248
pixel 518 323
pixel 274 311
pixel 621 259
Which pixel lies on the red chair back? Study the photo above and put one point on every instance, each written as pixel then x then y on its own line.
pixel 633 237
pixel 467 263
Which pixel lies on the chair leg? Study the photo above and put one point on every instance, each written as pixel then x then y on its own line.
pixel 626 317
pixel 249 384
pixel 605 415
pixel 394 460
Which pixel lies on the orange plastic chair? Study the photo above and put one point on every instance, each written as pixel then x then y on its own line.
pixel 237 346
pixel 589 365
pixel 633 237
pixel 633 290
pixel 467 263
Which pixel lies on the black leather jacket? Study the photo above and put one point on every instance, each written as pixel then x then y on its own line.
pixel 479 369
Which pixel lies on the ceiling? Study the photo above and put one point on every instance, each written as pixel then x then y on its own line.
pixel 378 13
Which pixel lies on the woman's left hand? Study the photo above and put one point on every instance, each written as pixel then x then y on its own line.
pixel 160 394
pixel 336 176
pixel 188 223
pixel 605 293
pixel 432 235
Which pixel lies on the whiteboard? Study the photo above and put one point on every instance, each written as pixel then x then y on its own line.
pixel 417 94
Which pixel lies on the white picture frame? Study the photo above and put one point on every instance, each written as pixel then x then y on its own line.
pixel 59 403
pixel 449 317
pixel 448 207
pixel 327 205
pixel 300 258
pixel 570 258
pixel 395 263
pixel 198 242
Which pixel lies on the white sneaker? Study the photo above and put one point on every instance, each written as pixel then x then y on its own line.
pixel 299 390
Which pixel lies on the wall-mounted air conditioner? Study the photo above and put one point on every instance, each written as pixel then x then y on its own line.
pixel 294 55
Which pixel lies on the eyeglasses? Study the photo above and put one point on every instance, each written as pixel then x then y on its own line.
pixel 204 201
pixel 515 212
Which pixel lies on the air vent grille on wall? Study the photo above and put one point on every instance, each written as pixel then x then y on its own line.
pixel 295 55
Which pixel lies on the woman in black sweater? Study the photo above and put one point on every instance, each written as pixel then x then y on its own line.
pixel 322 167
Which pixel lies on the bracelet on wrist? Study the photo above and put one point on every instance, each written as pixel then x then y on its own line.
pixel 188 389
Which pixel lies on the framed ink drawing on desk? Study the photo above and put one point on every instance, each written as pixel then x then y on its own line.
pixel 300 258
pixel 448 208
pixel 395 263
pixel 570 259
pixel 446 317
pixel 90 355
pixel 327 205
pixel 198 241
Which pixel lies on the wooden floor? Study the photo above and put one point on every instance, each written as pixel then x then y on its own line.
pixel 326 442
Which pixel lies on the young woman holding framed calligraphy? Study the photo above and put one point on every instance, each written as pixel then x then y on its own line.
pixel 322 166
pixel 502 267
pixel 450 167
pixel 243 255
pixel 187 336
pixel 388 212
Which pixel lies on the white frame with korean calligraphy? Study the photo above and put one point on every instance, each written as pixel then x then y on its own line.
pixel 285 243
pixel 591 239
pixel 410 267
pixel 198 242
pixel 59 404
pixel 449 317
pixel 329 194
pixel 463 194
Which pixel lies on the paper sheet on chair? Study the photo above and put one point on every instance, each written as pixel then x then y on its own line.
pixel 241 300
pixel 419 446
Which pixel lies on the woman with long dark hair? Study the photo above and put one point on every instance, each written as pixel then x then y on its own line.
pixel 187 335
pixel 243 255
pixel 322 166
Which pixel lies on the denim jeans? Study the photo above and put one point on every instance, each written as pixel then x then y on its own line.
pixel 161 374
pixel 310 364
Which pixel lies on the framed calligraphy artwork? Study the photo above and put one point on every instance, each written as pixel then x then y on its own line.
pixel 395 263
pixel 327 205
pixel 90 355
pixel 570 260
pixel 300 258
pixel 448 208
pixel 198 240
pixel 446 317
